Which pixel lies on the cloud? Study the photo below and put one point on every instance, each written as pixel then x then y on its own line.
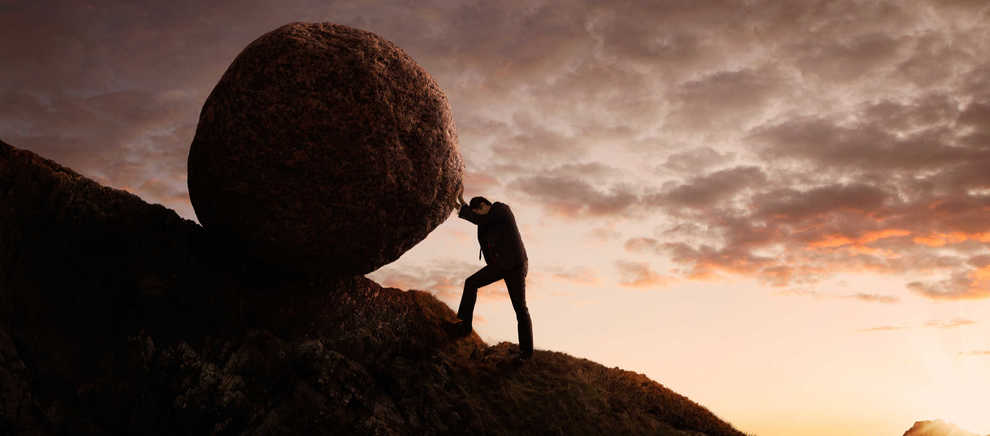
pixel 446 280
pixel 641 244
pixel 833 195
pixel 693 160
pixel 127 139
pixel 939 324
pixel 571 197
pixel 874 298
pixel 725 96
pixel 842 60
pixel 703 192
pixel 640 275
pixel 962 285
pixel 864 297
pixel 533 141
pixel 602 234
pixel 581 275
pixel 784 141
pixel 953 323
pixel 882 328
pixel 890 136
pixel 799 293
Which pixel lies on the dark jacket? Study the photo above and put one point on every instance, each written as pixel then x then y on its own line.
pixel 498 235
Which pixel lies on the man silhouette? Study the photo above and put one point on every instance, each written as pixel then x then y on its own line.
pixel 505 259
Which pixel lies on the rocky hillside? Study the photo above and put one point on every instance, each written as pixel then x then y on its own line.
pixel 118 316
pixel 936 428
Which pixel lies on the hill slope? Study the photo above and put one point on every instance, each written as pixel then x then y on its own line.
pixel 117 316
pixel 936 428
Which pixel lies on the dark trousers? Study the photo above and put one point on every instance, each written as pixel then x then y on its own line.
pixel 515 281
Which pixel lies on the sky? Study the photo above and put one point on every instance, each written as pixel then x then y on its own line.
pixel 778 209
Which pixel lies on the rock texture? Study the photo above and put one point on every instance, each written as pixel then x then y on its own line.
pixel 936 428
pixel 119 317
pixel 324 147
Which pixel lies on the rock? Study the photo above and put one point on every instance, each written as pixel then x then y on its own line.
pixel 937 427
pixel 15 393
pixel 324 147
pixel 119 317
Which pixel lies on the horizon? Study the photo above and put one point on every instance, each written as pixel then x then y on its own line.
pixel 780 210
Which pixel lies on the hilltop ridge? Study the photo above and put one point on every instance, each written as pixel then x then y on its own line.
pixel 118 316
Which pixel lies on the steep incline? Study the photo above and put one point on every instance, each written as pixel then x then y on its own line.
pixel 119 316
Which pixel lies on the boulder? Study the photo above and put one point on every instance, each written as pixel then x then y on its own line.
pixel 324 147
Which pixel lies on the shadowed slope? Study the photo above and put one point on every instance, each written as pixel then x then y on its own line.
pixel 117 316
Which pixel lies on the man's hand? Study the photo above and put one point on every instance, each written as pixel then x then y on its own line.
pixel 460 198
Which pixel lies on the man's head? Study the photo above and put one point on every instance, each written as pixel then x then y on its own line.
pixel 480 205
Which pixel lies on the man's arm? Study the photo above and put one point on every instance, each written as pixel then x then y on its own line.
pixel 469 214
pixel 465 211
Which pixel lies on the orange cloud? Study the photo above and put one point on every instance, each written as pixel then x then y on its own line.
pixel 941 239
pixel 837 240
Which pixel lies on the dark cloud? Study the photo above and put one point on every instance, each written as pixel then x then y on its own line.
pixel 694 160
pixel 834 201
pixel 570 196
pixel 590 170
pixel 725 96
pixel 932 60
pixel 826 144
pixel 838 61
pixel 709 190
pixel 535 142
pixel 127 139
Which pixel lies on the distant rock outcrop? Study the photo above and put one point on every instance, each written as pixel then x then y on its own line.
pixel 119 317
pixel 937 427
pixel 324 147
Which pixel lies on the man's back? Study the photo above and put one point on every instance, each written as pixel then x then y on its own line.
pixel 498 235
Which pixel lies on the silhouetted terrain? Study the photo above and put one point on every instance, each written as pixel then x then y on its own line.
pixel 118 316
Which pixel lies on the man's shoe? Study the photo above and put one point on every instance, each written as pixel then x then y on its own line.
pixel 458 329
pixel 525 355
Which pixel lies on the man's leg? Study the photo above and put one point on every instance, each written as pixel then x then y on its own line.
pixel 484 277
pixel 515 280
